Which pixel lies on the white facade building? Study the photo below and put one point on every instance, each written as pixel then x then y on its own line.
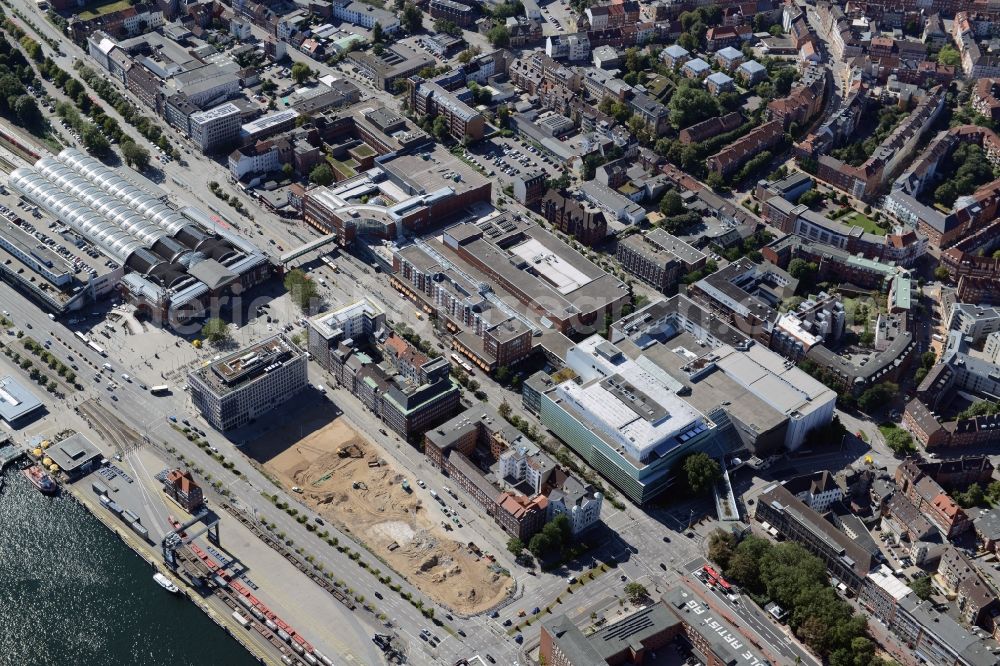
pixel 583 510
pixel 974 321
pixel 215 127
pixel 254 160
pixel 358 13
pixel 141 23
pixel 357 320
pixel 521 464
pixel 238 388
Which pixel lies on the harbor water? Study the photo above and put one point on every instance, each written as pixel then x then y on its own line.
pixel 72 593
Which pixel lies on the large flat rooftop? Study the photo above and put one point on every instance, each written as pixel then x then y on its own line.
pixel 553 274
pixel 246 365
pixel 72 452
pixel 55 258
pixel 712 389
pixel 16 401
pixel 774 379
pixel 662 320
pixel 329 324
pixel 433 169
pixel 631 407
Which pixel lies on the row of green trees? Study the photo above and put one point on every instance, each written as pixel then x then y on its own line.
pixel 49 359
pixel 789 575
pixel 16 74
pixel 146 126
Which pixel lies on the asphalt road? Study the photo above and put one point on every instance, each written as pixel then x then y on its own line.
pixel 753 618
pixel 639 545
pixel 149 416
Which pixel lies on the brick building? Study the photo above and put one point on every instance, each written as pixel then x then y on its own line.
pixel 181 487
pixel 730 158
pixel 581 220
pixel 659 259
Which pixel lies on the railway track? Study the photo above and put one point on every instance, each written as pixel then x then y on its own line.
pixel 189 562
pixel 299 564
pixel 6 165
pixel 124 438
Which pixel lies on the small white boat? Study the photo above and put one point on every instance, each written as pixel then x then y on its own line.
pixel 165 583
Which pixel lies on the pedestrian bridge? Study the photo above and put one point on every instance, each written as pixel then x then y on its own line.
pixel 306 248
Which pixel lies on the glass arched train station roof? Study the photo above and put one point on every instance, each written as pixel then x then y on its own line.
pixel 98 203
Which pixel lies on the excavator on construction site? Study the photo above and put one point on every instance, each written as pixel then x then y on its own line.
pixel 350 451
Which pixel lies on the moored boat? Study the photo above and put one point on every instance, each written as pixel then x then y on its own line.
pixel 165 583
pixel 40 479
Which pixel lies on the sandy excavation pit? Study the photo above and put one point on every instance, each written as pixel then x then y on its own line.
pixel 348 481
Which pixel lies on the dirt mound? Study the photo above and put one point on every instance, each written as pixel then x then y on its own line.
pixel 350 483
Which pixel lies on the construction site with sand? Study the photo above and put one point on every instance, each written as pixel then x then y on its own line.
pixel 347 480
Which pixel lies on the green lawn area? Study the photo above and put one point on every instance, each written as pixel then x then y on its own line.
pixel 865 222
pixel 346 169
pixel 887 429
pixel 100 9
pixel 364 150
pixel 659 86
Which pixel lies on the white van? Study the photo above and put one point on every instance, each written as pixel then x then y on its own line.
pixel 320 388
pixel 107 366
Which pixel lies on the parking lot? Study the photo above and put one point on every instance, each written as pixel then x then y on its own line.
pixel 559 18
pixel 417 43
pixel 505 159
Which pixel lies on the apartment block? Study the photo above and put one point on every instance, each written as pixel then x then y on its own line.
pixel 511 479
pixel 932 636
pixel 529 188
pixel 976 599
pixel 430 99
pixel 730 158
pixel 659 259
pixel 576 217
pixel 408 390
pixel 919 484
pixel 846 561
pixel 448 10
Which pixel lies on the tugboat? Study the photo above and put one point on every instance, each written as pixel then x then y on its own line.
pixel 40 479
pixel 165 583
